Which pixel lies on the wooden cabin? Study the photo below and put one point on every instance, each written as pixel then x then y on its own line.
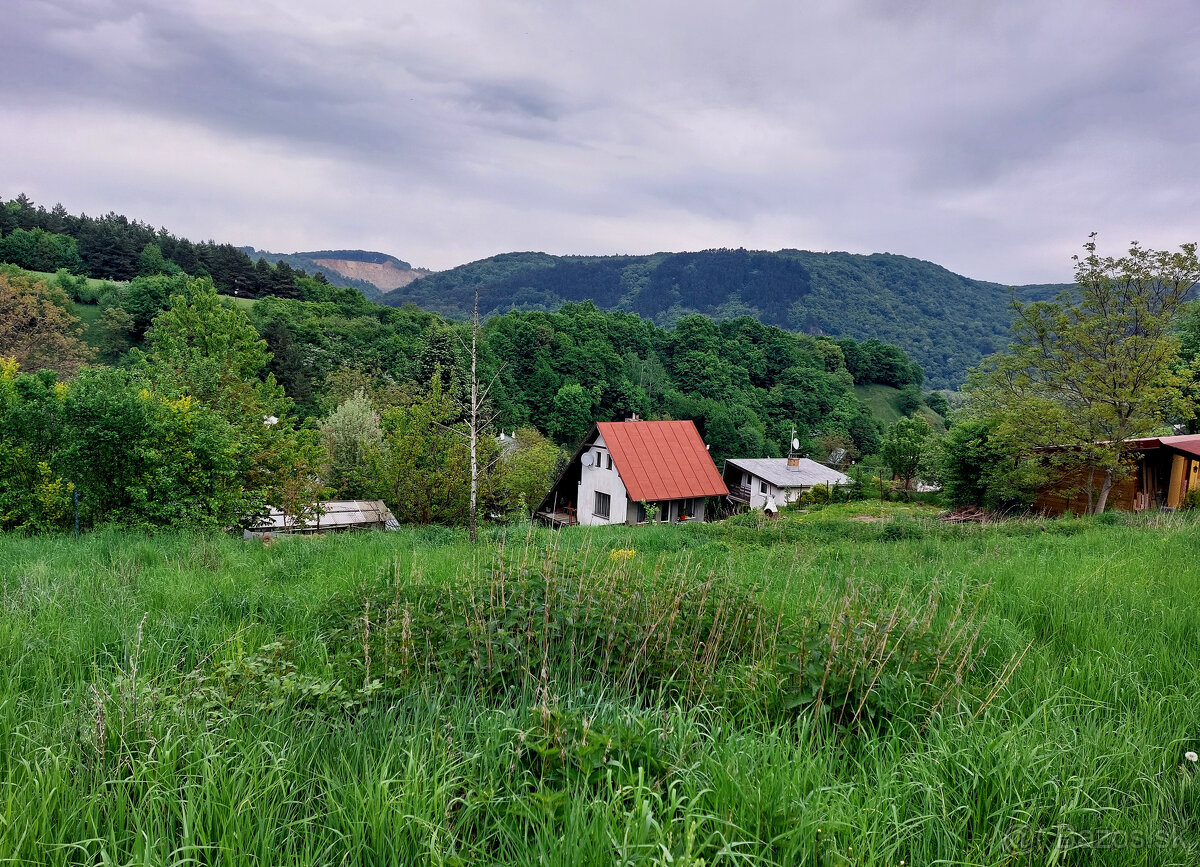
pixel 1161 472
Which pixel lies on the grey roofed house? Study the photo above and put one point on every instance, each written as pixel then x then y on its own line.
pixel 754 481
pixel 331 516
pixel 507 442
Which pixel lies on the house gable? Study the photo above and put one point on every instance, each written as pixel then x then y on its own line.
pixel 630 463
pixel 662 460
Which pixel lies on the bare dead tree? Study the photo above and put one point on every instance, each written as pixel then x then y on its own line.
pixel 479 417
pixel 474 414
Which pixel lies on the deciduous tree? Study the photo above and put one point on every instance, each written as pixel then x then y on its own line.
pixel 36 327
pixel 529 468
pixel 353 440
pixel 1098 366
pixel 903 448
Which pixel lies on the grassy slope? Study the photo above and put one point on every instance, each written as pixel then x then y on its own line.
pixel 93 282
pixel 89 315
pixel 882 400
pixel 1087 737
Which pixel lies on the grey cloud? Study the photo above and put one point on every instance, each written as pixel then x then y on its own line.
pixel 973 134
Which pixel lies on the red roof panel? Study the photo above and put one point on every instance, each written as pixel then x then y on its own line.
pixel 1188 444
pixel 662 460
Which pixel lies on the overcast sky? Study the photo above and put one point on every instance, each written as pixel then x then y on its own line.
pixel 988 137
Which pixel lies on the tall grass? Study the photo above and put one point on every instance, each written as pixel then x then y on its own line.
pixel 816 691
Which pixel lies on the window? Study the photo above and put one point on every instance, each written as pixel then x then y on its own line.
pixel 608 462
pixel 603 502
pixel 762 487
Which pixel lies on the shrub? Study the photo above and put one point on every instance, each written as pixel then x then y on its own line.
pixel 817 495
pixel 545 627
pixel 980 469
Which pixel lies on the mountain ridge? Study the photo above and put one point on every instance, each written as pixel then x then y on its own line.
pixel 943 320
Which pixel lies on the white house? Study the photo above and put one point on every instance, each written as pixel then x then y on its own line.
pixel 633 472
pixel 754 481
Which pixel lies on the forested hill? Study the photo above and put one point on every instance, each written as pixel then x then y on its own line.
pixel 944 321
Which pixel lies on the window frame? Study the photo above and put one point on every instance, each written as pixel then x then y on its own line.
pixel 607 505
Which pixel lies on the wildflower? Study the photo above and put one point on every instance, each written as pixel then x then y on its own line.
pixel 1191 756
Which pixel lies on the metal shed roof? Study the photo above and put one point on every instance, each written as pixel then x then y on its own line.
pixel 1188 444
pixel 337 515
pixel 777 472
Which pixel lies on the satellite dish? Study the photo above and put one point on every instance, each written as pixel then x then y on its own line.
pixel 795 443
pixel 587 459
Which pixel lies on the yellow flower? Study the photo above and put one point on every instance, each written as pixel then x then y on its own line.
pixel 621 554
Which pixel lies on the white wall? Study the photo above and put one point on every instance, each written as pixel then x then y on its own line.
pixel 781 495
pixel 598 478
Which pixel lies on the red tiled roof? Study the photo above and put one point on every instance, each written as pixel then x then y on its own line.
pixel 662 460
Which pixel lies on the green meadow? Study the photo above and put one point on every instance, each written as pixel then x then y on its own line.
pixel 826 689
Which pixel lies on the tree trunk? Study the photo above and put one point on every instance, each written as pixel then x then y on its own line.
pixel 1102 500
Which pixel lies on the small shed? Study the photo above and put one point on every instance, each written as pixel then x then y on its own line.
pixel 332 516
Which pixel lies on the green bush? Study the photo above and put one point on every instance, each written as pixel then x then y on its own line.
pixel 817 495
pixel 554 627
